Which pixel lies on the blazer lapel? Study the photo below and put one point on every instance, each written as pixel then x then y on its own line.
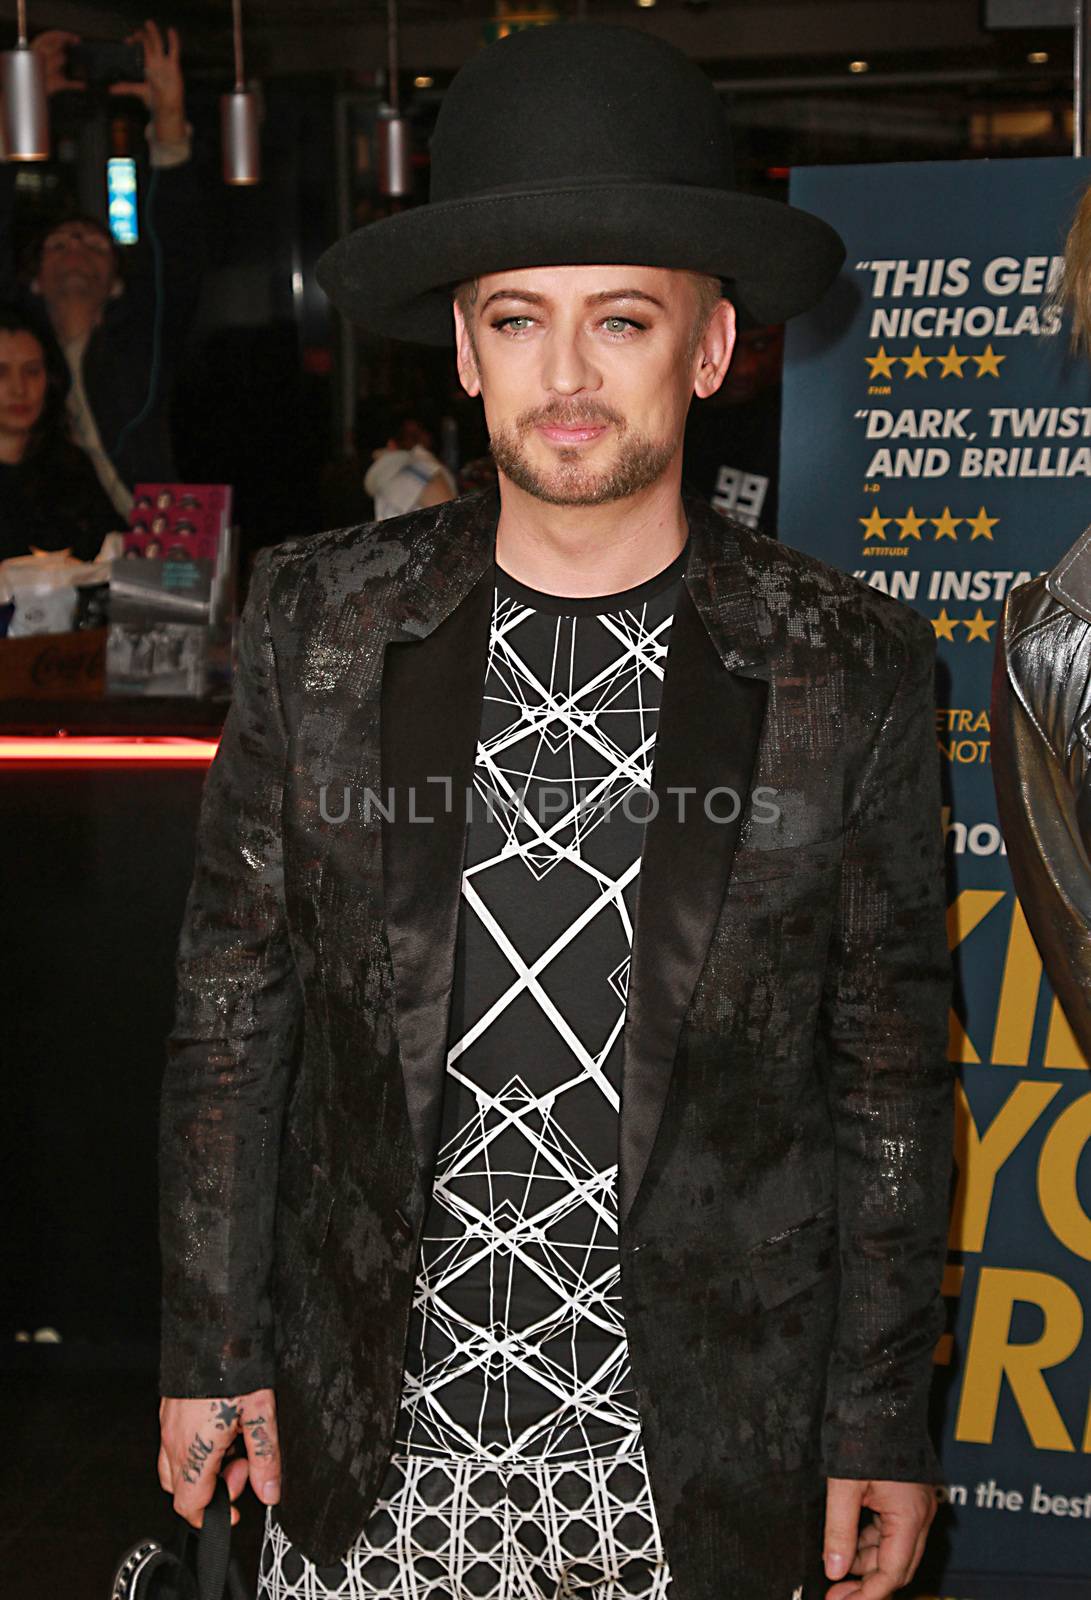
pixel 710 721
pixel 433 672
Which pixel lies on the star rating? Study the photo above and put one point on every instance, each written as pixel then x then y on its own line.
pixel 873 526
pixel 951 365
pixel 977 627
pixel 988 362
pixel 946 525
pixel 916 365
pixel 910 525
pixel 981 526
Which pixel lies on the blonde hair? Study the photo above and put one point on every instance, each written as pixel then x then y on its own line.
pixel 1072 291
pixel 709 294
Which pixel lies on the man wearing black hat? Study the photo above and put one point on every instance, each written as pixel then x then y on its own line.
pixel 557 1123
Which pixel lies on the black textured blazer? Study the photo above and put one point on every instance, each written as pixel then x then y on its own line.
pixel 786 1119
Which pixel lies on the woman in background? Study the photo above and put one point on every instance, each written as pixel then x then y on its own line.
pixel 50 496
pixel 1041 723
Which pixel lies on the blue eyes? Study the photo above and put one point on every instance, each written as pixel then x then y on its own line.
pixel 616 326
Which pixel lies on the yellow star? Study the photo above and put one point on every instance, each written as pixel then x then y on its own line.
pixel 916 365
pixel 978 627
pixel 945 626
pixel 881 364
pixel 873 526
pixel 951 364
pixel 989 362
pixel 910 524
pixel 981 526
pixel 946 525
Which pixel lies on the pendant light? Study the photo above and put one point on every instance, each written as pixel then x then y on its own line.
pixel 393 130
pixel 239 118
pixel 26 110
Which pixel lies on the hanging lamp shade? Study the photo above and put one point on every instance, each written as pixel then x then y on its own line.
pixel 240 118
pixel 25 107
pixel 393 137
pixel 392 130
pixel 240 137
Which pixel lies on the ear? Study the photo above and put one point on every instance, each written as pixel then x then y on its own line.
pixel 713 355
pixel 117 289
pixel 468 375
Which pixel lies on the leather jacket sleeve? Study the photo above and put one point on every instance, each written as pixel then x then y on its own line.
pixel 883 1047
pixel 237 1021
pixel 1041 724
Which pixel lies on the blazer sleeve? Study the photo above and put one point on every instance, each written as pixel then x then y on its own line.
pixel 230 1054
pixel 1042 791
pixel 890 1088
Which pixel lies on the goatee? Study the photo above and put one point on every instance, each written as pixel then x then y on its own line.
pixel 639 462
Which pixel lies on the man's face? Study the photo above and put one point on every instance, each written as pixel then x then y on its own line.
pixel 587 374
pixel 22 382
pixel 77 259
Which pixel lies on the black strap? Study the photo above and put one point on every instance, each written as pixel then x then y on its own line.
pixel 214 1545
pixel 198 1568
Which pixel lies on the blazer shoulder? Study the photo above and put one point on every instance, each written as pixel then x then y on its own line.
pixel 318 568
pixel 840 609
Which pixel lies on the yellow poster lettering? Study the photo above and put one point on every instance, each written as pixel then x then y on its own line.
pixel 980 1156
pixel 1018 996
pixel 991 1358
pixel 969 908
pixel 1064 1145
pixel 1020 986
pixel 1062 1051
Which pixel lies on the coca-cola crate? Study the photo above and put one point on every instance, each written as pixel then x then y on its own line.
pixel 54 666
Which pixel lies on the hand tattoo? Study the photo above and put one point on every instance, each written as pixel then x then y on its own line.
pixel 196 1456
pixel 258 1428
pixel 226 1413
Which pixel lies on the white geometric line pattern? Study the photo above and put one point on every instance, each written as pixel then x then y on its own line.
pixel 465 1530
pixel 517 1349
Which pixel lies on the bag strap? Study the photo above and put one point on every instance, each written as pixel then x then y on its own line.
pixel 214 1546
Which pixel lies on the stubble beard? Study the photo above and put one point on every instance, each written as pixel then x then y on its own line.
pixel 639 461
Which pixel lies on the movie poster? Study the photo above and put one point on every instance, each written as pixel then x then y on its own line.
pixel 936 442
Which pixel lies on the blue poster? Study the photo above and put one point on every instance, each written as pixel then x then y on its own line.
pixel 936 442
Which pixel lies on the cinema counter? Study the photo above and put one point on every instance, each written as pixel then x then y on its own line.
pixel 99 802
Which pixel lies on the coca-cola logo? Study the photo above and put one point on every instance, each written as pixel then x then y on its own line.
pixel 62 667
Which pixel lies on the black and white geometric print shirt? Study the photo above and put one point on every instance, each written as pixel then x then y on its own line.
pixel 517 1347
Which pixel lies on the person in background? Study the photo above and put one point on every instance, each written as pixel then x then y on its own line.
pixel 121 334
pixel 50 497
pixel 404 474
pixel 1041 692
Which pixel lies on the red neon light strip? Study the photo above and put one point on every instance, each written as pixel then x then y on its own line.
pixel 65 750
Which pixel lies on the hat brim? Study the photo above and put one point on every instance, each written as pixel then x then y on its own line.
pixel 395 276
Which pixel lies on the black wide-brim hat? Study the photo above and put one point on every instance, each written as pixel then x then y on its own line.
pixel 573 145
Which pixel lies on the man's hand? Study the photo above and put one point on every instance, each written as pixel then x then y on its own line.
pixel 195 1436
pixel 52 47
pixel 884 1555
pixel 163 90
